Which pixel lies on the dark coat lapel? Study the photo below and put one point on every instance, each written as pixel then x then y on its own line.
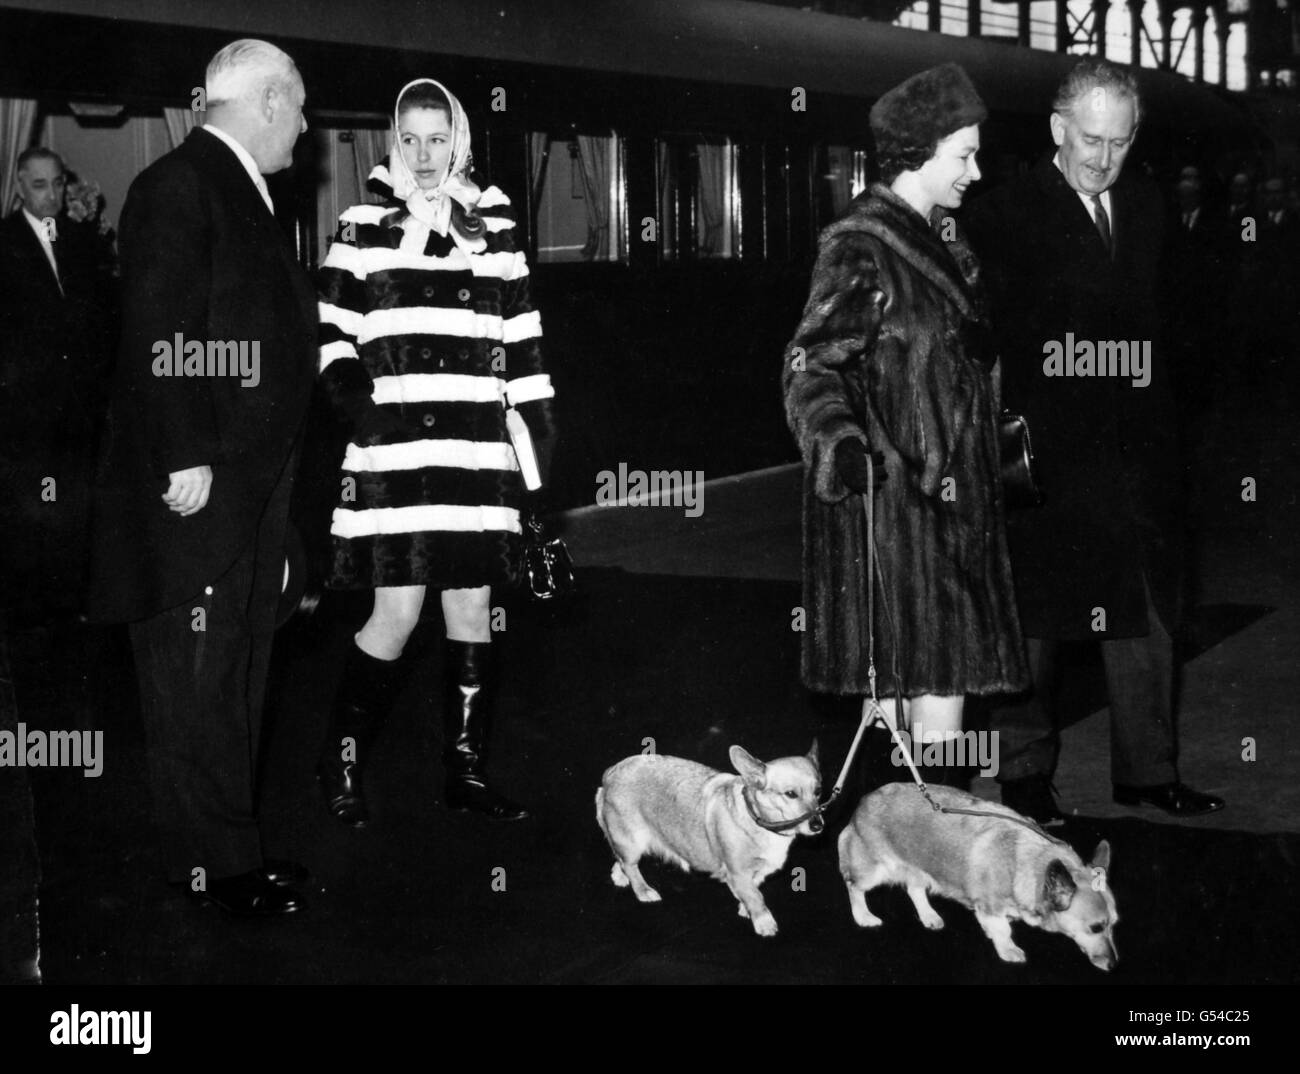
pixel 1125 209
pixel 25 240
pixel 218 160
pixel 1076 223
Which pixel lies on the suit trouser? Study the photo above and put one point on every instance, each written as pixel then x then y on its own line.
pixel 201 697
pixel 1139 682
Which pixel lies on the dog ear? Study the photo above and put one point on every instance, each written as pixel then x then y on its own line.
pixel 1058 886
pixel 751 769
pixel 814 756
pixel 1101 856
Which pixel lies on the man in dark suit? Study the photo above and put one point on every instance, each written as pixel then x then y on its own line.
pixel 1277 243
pixel 1240 202
pixel 1071 251
pixel 54 342
pixel 214 374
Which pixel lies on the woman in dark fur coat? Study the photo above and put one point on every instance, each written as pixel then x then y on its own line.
pixel 427 336
pixel 886 379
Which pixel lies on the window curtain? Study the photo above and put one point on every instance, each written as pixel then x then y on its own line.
pixel 179 121
pixel 369 147
pixel 17 124
pixel 860 180
pixel 666 184
pixel 713 198
pixel 593 163
pixel 539 151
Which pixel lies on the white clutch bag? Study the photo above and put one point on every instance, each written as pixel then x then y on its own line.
pixel 522 441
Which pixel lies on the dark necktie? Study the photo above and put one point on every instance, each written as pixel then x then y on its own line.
pixel 1103 224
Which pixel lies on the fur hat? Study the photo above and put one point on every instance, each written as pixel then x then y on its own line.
pixel 927 107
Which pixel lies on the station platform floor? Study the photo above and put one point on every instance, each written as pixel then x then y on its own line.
pixel 680 633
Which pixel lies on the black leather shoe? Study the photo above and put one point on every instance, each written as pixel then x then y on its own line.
pixel 1032 797
pixel 465 794
pixel 250 895
pixel 1176 799
pixel 283 873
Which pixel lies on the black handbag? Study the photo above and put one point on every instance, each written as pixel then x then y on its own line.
pixel 1019 485
pixel 547 564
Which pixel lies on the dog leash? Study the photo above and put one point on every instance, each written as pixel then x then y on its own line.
pixel 873 713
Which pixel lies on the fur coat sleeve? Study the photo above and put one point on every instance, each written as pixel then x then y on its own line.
pixel 840 322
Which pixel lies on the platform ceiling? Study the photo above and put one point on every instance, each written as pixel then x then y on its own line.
pixel 717 41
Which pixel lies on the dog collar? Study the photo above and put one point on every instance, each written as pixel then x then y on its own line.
pixel 776 827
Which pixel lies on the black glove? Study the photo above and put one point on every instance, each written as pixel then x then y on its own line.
pixel 852 460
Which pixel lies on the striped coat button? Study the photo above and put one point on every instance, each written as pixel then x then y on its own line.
pixel 463 294
pixel 428 292
pixel 428 421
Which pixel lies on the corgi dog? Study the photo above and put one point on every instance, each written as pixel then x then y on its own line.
pixel 996 864
pixel 737 828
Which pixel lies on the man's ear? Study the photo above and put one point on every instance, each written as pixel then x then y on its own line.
pixel 751 769
pixel 272 100
pixel 1057 123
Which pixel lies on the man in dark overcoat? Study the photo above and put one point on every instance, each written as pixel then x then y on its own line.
pixel 1071 252
pixel 54 342
pixel 214 375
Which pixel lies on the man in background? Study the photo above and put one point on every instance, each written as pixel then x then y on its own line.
pixel 55 340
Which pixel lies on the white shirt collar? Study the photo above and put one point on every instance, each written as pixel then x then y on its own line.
pixel 245 158
pixel 38 226
pixel 1087 198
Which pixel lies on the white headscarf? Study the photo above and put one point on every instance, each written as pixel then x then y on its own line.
pixel 433 207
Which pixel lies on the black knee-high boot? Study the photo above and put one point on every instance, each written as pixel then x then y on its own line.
pixel 366 693
pixel 944 771
pixel 468 680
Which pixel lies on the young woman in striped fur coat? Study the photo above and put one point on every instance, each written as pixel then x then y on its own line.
pixel 427 335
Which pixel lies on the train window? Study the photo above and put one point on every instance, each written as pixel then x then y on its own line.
pixel 719 200
pixel 578 195
pixel 346 158
pixel 845 176
pixel 667 185
pixel 699 197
